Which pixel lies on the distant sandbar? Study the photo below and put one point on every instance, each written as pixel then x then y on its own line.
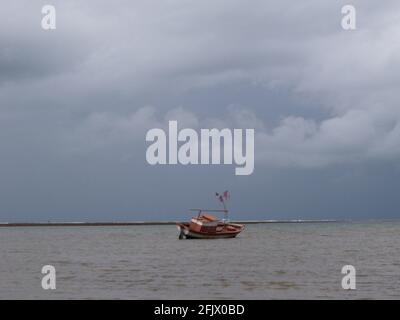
pixel 142 223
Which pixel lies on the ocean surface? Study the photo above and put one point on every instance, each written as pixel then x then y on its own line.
pixel 266 261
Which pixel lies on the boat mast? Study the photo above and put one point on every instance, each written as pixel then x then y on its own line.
pixel 221 198
pixel 225 210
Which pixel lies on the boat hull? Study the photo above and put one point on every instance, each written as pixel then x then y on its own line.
pixel 187 233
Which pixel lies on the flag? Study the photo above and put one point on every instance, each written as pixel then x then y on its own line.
pixel 226 195
pixel 220 197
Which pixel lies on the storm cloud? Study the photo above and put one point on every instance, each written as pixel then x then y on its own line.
pixel 76 103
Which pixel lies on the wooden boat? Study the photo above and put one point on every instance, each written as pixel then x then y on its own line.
pixel 206 226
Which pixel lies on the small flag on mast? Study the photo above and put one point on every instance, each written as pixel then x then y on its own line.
pixel 226 195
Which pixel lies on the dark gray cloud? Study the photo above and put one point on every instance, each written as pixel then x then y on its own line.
pixel 75 104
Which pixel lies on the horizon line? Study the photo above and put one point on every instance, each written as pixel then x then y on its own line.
pixel 157 222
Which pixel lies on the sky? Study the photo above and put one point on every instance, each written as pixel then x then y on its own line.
pixel 76 103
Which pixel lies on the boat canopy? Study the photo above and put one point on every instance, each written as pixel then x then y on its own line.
pixel 209 217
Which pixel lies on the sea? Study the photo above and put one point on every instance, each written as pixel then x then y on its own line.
pixel 266 261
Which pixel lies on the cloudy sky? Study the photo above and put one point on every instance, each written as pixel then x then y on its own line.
pixel 76 103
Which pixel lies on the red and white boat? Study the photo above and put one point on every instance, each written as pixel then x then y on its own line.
pixel 206 226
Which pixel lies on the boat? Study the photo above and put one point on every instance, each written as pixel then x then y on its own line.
pixel 207 226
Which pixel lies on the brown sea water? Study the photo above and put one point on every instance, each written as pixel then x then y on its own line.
pixel 266 261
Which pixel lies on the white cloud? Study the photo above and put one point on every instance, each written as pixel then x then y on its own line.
pixel 104 130
pixel 356 136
